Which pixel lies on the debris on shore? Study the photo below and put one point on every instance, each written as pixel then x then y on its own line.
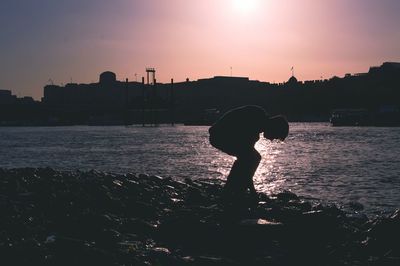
pixel 49 217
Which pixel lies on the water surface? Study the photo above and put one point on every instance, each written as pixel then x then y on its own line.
pixel 346 165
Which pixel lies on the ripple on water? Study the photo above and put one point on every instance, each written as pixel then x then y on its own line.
pixel 318 161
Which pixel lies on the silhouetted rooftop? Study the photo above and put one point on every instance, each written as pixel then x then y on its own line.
pixel 292 80
pixel 226 78
pixel 107 77
pixel 5 93
pixel 392 64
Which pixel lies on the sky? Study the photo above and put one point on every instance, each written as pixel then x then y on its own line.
pixel 45 41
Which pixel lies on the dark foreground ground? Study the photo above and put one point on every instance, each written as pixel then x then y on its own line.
pixel 49 217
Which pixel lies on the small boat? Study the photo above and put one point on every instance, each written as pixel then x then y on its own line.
pixel 350 117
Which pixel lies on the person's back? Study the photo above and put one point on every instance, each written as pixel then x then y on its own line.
pixel 238 129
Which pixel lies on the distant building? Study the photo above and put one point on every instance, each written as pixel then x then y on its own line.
pixel 311 100
pixel 292 81
pixel 107 77
pixel 6 97
pixel 107 93
pixel 385 68
pixel 26 100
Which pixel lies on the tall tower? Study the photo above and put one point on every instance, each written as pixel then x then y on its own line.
pixel 151 75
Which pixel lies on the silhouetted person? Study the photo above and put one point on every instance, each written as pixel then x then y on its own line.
pixel 236 133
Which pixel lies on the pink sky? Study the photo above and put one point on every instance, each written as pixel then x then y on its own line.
pixel 193 39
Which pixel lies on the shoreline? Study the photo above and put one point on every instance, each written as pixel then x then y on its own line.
pixel 96 218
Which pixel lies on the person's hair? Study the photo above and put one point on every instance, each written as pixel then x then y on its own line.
pixel 277 127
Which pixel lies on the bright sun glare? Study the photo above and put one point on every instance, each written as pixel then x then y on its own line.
pixel 245 6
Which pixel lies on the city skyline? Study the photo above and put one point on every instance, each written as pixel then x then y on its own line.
pixel 261 40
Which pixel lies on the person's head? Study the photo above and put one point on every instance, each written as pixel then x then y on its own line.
pixel 276 127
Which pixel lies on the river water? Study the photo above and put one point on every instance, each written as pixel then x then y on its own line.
pixel 345 165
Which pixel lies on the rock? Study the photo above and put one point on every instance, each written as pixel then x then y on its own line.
pixel 208 260
pixel 356 206
pixel 161 250
pixel 259 222
pixel 108 238
pixel 188 259
pixel 188 181
pixel 118 183
pixel 194 196
pixel 357 217
pixel 395 216
pixel 109 219
pixel 156 178
pixel 304 206
pixel 143 176
pixel 50 239
pixel 287 196
pixel 140 227
pixel 162 256
pixel 259 230
pixel 381 236
pixel 176 201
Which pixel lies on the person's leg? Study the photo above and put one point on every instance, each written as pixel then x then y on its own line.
pixel 235 183
pixel 253 161
pixel 241 175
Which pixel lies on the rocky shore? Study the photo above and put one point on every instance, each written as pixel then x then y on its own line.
pixel 49 217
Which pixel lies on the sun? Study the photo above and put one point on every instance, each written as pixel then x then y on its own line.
pixel 245 6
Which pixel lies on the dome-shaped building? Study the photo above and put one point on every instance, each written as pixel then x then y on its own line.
pixel 107 77
pixel 292 80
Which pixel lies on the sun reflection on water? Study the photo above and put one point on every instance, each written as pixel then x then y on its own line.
pixel 222 165
pixel 268 177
